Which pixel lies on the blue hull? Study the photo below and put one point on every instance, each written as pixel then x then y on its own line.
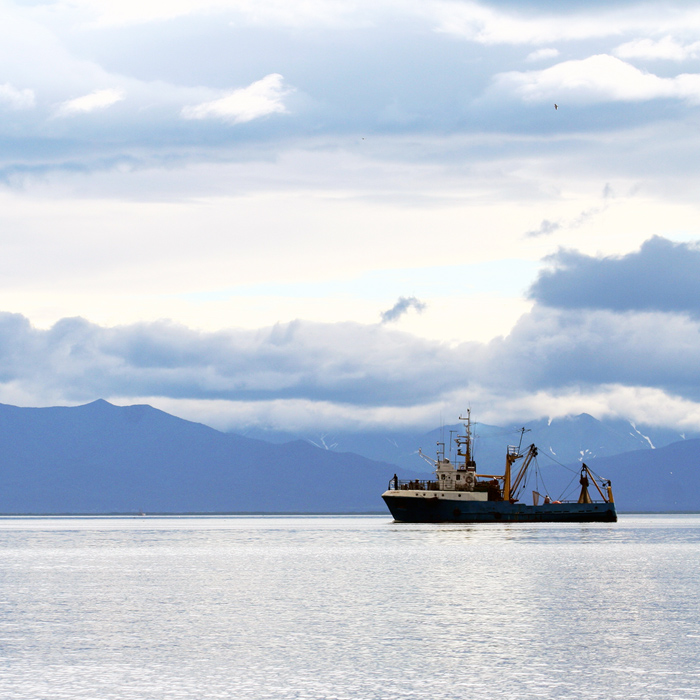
pixel 438 510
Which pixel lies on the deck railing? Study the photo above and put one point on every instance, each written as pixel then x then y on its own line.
pixel 428 485
pixel 413 485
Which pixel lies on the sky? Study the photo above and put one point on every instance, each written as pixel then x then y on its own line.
pixel 351 213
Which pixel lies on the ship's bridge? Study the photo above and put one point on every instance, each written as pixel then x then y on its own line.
pixel 454 478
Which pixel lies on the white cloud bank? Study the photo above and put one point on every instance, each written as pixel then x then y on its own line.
pixel 482 22
pixel 15 98
pixel 489 25
pixel 552 361
pixel 667 48
pixel 259 99
pixel 99 99
pixel 600 78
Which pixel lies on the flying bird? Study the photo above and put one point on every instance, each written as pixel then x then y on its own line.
pixel 556 106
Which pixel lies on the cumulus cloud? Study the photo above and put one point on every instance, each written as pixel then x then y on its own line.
pixel 15 98
pixel 598 78
pixel 368 367
pixel 347 79
pixel 96 100
pixel 259 99
pixel 667 48
pixel 401 307
pixel 344 362
pixel 554 350
pixel 574 349
pixel 662 276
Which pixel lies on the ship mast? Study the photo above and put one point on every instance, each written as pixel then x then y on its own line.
pixel 466 442
pixel 513 455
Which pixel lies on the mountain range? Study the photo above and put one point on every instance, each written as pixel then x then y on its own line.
pixel 101 458
pixel 567 440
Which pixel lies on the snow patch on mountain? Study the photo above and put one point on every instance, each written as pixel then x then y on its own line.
pixel 646 437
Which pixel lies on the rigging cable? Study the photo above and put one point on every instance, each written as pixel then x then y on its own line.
pixel 559 463
pixel 565 491
pixel 540 476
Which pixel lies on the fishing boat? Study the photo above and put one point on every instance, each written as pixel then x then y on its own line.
pixel 458 493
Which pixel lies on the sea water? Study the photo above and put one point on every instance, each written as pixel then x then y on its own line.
pixel 354 607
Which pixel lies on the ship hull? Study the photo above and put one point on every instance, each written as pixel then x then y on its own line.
pixel 437 509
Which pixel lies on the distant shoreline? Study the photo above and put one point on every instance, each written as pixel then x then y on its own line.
pixel 184 514
pixel 277 514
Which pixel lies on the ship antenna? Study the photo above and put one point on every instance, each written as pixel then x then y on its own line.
pixel 452 432
pixel 468 442
pixel 523 430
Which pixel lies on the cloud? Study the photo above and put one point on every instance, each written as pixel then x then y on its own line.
pixel 451 161
pixel 487 25
pixel 542 55
pixel 343 363
pixel 598 325
pixel 586 215
pixel 367 368
pixel 600 78
pixel 548 227
pixel 643 405
pixel 545 228
pixel 348 82
pixel 554 350
pixel 259 99
pixel 401 307
pixel 662 276
pixel 105 13
pixel 98 99
pixel 16 98
pixel 667 48
pixel 531 23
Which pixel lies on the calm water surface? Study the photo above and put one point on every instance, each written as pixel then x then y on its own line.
pixel 348 607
